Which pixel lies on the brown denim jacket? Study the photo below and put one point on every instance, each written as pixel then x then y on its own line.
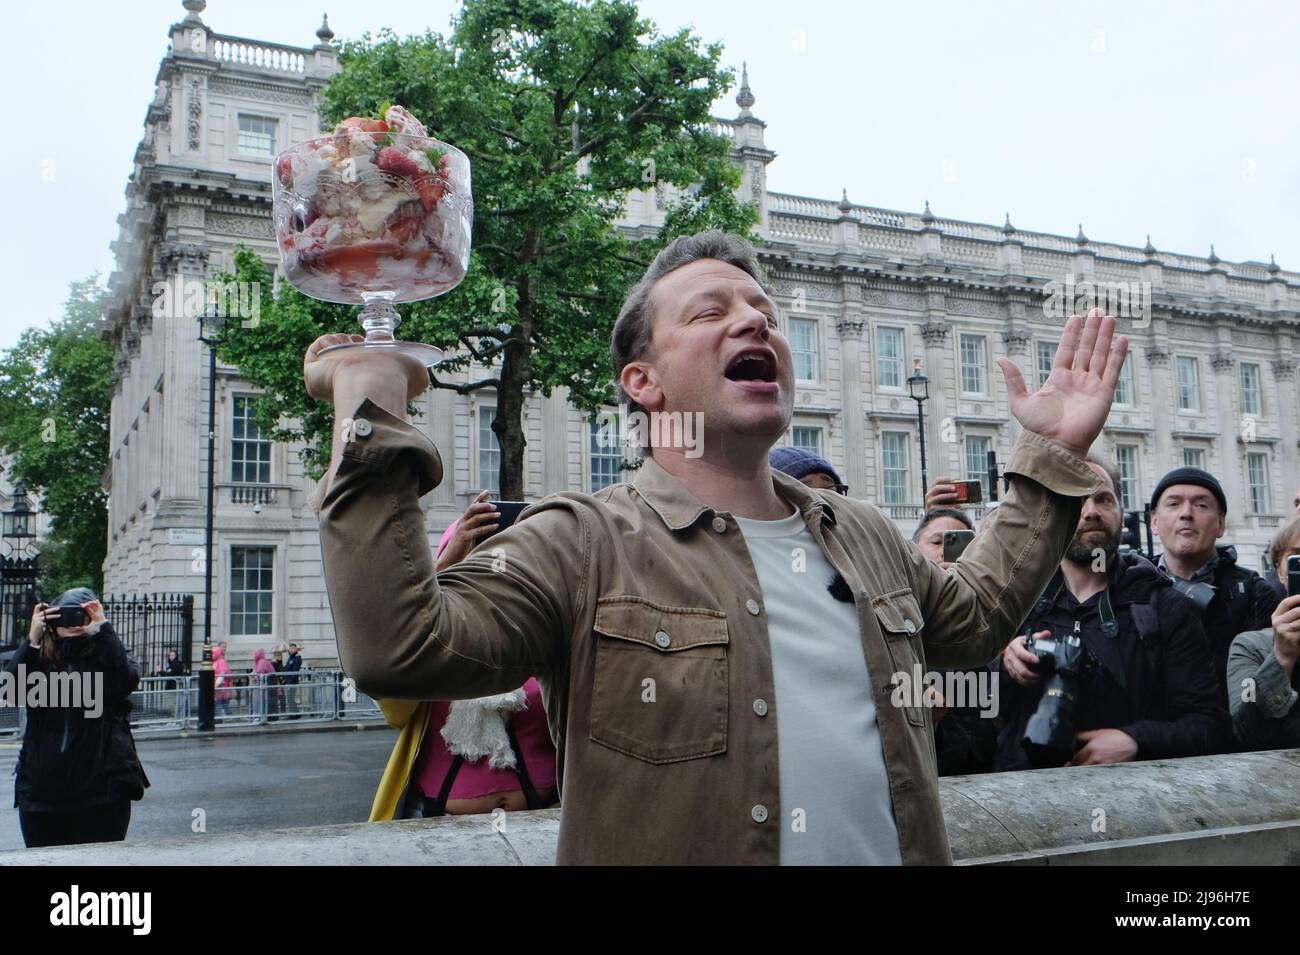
pixel 597 595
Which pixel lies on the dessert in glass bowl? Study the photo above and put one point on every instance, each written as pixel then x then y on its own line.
pixel 376 213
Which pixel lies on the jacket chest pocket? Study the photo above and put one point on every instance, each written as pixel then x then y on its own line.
pixel 900 620
pixel 660 688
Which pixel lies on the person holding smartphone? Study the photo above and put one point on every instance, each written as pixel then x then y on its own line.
pixel 78 770
pixel 1263 679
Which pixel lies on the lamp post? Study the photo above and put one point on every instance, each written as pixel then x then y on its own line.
pixel 18 529
pixel 212 323
pixel 918 386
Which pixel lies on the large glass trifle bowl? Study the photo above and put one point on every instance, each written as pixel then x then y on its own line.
pixel 377 213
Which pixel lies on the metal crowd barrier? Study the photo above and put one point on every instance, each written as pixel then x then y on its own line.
pixel 163 703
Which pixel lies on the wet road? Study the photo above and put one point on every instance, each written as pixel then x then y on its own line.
pixel 242 783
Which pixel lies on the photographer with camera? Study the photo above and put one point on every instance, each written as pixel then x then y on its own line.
pixel 1114 665
pixel 1263 680
pixel 78 771
pixel 1189 513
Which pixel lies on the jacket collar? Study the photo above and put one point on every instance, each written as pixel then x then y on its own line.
pixel 678 508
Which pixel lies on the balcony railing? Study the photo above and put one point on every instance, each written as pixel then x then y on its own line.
pixel 250 494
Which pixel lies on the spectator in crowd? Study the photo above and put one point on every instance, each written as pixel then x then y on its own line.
pixel 807 468
pixel 290 677
pixel 928 535
pixel 221 667
pixel 263 672
pixel 964 741
pixel 1189 514
pixel 77 772
pixel 679 588
pixel 277 681
pixel 470 756
pixel 174 666
pixel 1155 691
pixel 1285 543
pixel 1263 680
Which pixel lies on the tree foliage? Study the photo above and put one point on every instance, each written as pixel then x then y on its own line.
pixel 54 424
pixel 563 109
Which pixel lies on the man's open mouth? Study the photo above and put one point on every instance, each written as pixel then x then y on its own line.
pixel 752 366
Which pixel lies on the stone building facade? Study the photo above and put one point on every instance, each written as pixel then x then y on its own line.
pixel 868 295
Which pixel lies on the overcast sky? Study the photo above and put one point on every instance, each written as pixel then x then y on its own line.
pixel 1177 119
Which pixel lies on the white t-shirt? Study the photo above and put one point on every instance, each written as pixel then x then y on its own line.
pixel 833 782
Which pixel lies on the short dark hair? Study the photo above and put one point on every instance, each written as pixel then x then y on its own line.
pixel 929 517
pixel 1112 472
pixel 633 329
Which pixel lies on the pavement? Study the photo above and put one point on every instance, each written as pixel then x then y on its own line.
pixel 242 779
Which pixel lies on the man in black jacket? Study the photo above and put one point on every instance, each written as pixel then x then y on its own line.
pixel 1154 691
pixel 1189 513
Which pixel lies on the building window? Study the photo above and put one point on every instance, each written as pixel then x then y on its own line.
pixel 1250 395
pixel 977 460
pixel 1257 482
pixel 252 579
pixel 1124 386
pixel 894 464
pixel 489 451
pixel 803 348
pixel 889 357
pixel 809 439
pixel 1189 384
pixel 606 454
pixel 1194 458
pixel 250 453
pixel 257 135
pixel 1126 457
pixel 974 365
pixel 1046 353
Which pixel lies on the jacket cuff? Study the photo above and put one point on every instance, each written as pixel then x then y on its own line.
pixel 1044 461
pixel 1273 693
pixel 374 439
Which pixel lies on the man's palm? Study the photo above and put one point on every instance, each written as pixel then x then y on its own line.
pixel 1071 406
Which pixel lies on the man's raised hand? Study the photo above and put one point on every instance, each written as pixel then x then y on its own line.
pixel 1071 406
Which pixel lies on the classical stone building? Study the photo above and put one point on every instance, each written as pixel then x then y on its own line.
pixel 868 295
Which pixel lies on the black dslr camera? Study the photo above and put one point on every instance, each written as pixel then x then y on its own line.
pixel 1067 666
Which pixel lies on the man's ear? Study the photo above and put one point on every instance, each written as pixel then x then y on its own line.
pixel 1223 525
pixel 641 384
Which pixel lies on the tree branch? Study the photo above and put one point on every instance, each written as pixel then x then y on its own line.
pixel 467 387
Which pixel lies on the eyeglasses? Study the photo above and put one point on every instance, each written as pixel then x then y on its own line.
pixel 840 488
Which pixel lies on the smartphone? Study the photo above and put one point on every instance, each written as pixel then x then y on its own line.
pixel 507 513
pixel 1293 575
pixel 69 616
pixel 954 542
pixel 969 492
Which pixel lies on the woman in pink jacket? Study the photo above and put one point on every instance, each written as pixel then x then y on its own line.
pixel 224 694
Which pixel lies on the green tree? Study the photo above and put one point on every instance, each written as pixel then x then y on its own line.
pixel 563 109
pixel 54 423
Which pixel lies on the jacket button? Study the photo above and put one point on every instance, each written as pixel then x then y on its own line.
pixel 909 626
pixel 662 638
pixel 719 524
pixel 752 606
pixel 760 707
pixel 362 427
pixel 759 813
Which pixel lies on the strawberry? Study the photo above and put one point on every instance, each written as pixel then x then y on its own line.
pixel 431 192
pixel 391 159
pixel 284 170
pixel 377 128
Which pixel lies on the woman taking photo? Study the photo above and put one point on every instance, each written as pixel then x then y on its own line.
pixel 77 770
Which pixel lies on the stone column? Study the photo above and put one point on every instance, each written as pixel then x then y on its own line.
pixel 935 335
pixel 852 385
pixel 1229 428
pixel 1017 340
pixel 1162 414
pixel 185 368
pixel 555 443
pixel 1284 374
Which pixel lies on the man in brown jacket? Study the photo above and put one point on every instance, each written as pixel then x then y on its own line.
pixel 717 643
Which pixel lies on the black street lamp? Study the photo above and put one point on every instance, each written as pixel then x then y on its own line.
pixel 17 572
pixel 211 322
pixel 918 386
pixel 18 523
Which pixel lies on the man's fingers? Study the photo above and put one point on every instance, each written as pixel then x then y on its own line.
pixel 1083 354
pixel 1014 379
pixel 1101 350
pixel 1069 342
